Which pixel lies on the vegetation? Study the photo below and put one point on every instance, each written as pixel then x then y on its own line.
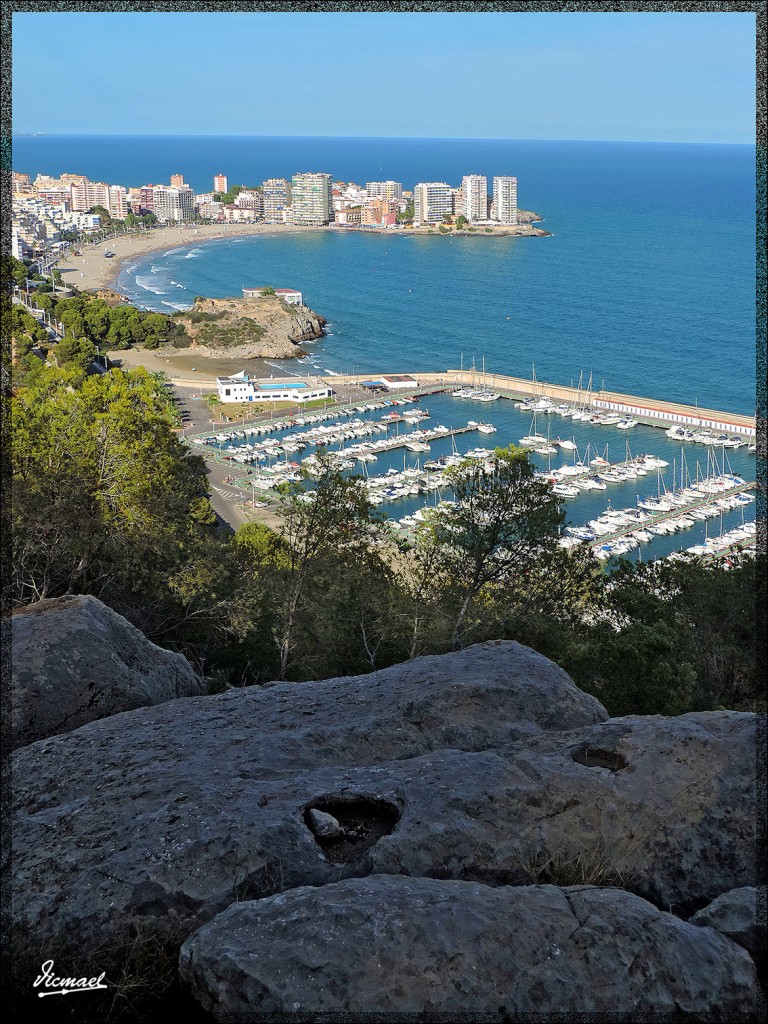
pixel 108 500
pixel 406 217
pixel 461 222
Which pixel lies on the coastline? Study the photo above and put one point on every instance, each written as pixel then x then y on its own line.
pixel 92 271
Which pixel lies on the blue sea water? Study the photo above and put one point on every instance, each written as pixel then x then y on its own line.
pixel 647 282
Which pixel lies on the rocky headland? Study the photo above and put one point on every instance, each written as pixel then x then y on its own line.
pixel 462 834
pixel 250 328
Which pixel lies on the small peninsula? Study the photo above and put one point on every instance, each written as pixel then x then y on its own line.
pixel 250 328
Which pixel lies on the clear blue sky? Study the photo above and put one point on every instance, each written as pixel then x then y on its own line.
pixel 663 77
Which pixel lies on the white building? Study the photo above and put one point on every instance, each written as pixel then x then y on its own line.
pixel 474 191
pixel 505 200
pixel 384 190
pixel 432 200
pixel 173 203
pixel 289 295
pixel 242 388
pixel 277 198
pixel 312 199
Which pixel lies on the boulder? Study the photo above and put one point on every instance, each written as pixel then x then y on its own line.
pixel 487 766
pixel 394 945
pixel 735 914
pixel 75 660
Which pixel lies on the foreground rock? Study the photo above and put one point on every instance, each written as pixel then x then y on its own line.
pixel 75 660
pixel 487 765
pixel 388 944
pixel 735 914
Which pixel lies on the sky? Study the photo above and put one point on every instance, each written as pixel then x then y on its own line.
pixel 656 77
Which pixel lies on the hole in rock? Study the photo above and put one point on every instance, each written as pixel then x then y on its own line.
pixel 596 757
pixel 363 821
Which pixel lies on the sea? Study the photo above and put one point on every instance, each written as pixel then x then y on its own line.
pixel 646 284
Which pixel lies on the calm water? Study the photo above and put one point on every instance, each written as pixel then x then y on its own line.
pixel 647 283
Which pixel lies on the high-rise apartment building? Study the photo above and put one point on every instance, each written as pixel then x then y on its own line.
pixel 312 199
pixel 171 203
pixel 388 190
pixel 474 189
pixel 177 180
pixel 505 200
pixel 220 184
pixel 86 194
pixel 277 197
pixel 432 200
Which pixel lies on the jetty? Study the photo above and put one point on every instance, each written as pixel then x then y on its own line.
pixel 649 411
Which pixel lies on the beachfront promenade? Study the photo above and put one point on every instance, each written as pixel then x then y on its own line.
pixel 646 410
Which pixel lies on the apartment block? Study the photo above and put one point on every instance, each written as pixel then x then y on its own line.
pixel 474 189
pixel 312 199
pixel 432 200
pixel 388 190
pixel 173 204
pixel 505 199
pixel 177 180
pixel 276 197
pixel 220 184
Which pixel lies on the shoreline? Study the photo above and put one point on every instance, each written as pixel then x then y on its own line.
pixel 92 271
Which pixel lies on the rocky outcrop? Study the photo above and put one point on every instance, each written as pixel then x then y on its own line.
pixel 250 328
pixel 395 945
pixel 487 765
pixel 735 914
pixel 74 660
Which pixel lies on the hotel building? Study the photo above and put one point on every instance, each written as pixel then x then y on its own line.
pixel 312 199
pixel 505 200
pixel 177 180
pixel 432 200
pixel 220 183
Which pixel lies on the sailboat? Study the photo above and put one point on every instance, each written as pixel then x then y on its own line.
pixel 533 440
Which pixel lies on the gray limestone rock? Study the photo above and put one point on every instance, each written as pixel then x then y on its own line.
pixel 168 814
pixel 395 945
pixel 75 660
pixel 323 825
pixel 735 914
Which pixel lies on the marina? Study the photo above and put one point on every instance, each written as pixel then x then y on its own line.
pixel 647 472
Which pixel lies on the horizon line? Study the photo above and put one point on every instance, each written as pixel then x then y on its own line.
pixel 413 138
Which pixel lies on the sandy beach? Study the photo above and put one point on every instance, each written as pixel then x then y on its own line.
pixel 92 269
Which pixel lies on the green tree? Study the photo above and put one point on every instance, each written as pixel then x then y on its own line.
pixel 504 520
pixel 333 522
pixel 461 221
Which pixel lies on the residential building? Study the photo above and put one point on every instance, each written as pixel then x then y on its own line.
pixel 220 184
pixel 171 203
pixel 250 199
pixel 276 197
pixel 177 180
pixel 348 217
pixel 311 198
pixel 380 213
pixel 505 200
pixel 384 190
pixel 87 194
pixel 474 189
pixel 242 388
pixel 147 199
pixel 432 200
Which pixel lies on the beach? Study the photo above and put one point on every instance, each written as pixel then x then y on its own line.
pixel 92 270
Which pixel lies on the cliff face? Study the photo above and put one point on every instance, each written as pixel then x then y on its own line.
pixel 250 328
